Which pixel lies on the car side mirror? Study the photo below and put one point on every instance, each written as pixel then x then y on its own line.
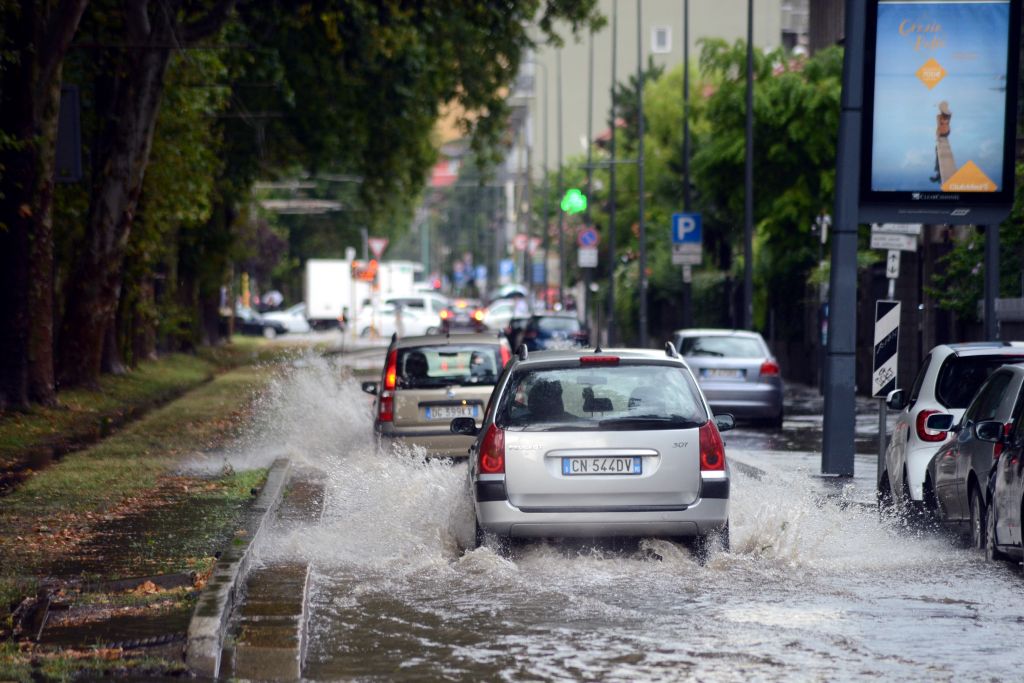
pixel 369 387
pixel 939 422
pixel 896 399
pixel 725 422
pixel 465 426
pixel 989 430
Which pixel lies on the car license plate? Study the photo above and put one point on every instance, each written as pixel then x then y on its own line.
pixel 722 373
pixel 451 412
pixel 578 466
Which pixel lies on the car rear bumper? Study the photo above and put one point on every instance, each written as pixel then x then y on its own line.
pixel 497 515
pixel 743 400
pixel 705 516
pixel 436 444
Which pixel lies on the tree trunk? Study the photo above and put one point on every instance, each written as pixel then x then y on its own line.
pixel 29 104
pixel 123 153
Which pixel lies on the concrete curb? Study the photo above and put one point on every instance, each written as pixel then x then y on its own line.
pixel 207 626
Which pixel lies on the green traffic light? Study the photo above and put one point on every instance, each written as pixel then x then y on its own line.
pixel 574 201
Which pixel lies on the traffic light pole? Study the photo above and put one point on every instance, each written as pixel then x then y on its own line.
pixel 640 171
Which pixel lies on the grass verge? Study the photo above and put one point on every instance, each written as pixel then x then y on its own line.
pixel 31 440
pixel 120 509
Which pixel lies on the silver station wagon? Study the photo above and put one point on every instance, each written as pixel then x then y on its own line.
pixel 599 443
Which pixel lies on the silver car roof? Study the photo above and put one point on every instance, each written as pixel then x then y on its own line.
pixel 710 331
pixel 539 357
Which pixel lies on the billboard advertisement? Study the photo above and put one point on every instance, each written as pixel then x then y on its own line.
pixel 939 122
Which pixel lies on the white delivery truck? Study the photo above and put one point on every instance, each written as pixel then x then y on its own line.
pixel 329 291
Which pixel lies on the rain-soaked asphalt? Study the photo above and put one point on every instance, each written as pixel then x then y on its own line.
pixel 816 586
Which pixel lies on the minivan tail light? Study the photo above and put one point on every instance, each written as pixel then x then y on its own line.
pixel 387 395
pixel 492 451
pixel 599 360
pixel 769 368
pixel 391 371
pixel 925 434
pixel 712 449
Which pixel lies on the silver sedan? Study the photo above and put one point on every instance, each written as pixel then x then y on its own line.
pixel 599 443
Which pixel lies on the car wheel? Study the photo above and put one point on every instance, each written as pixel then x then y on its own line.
pixel 433 330
pixel 976 539
pixel 269 332
pixel 705 545
pixel 991 551
pixel 884 495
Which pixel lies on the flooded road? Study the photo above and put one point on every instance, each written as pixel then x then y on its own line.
pixel 816 587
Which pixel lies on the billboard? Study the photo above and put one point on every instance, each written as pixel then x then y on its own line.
pixel 940 111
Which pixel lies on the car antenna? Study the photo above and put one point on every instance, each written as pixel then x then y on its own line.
pixel 522 352
pixel 394 337
pixel 670 350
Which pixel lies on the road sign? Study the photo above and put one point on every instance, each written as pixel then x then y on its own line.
pixel 887 339
pixel 586 257
pixel 506 266
pixel 587 237
pixel 898 228
pixel 892 264
pixel 686 228
pixel 685 255
pixel 886 240
pixel 377 245
pixel 520 241
pixel 534 245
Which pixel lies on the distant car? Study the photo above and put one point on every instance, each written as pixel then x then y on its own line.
pixel 429 380
pixel 948 379
pixel 499 313
pixel 956 481
pixel 463 315
pixel 420 314
pixel 293 318
pixel 579 443
pixel 736 370
pixel 248 321
pixel 552 331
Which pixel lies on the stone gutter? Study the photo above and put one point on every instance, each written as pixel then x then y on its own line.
pixel 209 620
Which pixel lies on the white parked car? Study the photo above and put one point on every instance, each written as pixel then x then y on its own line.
pixel 946 383
pixel 293 318
pixel 421 314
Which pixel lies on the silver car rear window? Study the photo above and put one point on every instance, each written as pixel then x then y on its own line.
pixel 960 377
pixel 603 397
pixel 720 346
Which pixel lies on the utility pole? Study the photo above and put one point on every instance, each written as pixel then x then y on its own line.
pixel 611 188
pixel 748 222
pixel 545 231
pixel 840 363
pixel 590 173
pixel 640 169
pixel 991 281
pixel 561 189
pixel 687 290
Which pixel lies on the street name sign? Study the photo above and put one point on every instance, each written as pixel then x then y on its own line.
pixel 898 228
pixel 887 341
pixel 887 240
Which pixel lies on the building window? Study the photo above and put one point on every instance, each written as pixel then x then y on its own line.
pixel 661 39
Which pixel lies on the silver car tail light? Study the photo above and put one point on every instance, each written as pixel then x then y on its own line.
pixel 712 450
pixel 769 368
pixel 492 451
pixel 387 394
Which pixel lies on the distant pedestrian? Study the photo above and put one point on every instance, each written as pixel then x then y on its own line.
pixel 942 128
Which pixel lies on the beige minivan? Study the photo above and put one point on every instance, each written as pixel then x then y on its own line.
pixel 430 380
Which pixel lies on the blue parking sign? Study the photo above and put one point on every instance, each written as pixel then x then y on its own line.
pixel 686 228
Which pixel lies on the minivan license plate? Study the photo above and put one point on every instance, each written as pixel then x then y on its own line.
pixel 450 412
pixel 578 466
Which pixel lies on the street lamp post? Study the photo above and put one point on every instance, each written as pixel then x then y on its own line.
pixel 561 189
pixel 687 299
pixel 611 188
pixel 748 227
pixel 640 170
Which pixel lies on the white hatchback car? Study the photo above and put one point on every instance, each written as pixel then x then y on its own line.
pixel 599 443
pixel 949 377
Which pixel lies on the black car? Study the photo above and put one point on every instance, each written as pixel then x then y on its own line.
pixel 956 481
pixel 463 315
pixel 554 330
pixel 1004 511
pixel 248 321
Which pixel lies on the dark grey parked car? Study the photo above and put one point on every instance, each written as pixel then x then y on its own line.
pixel 736 372
pixel 957 478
